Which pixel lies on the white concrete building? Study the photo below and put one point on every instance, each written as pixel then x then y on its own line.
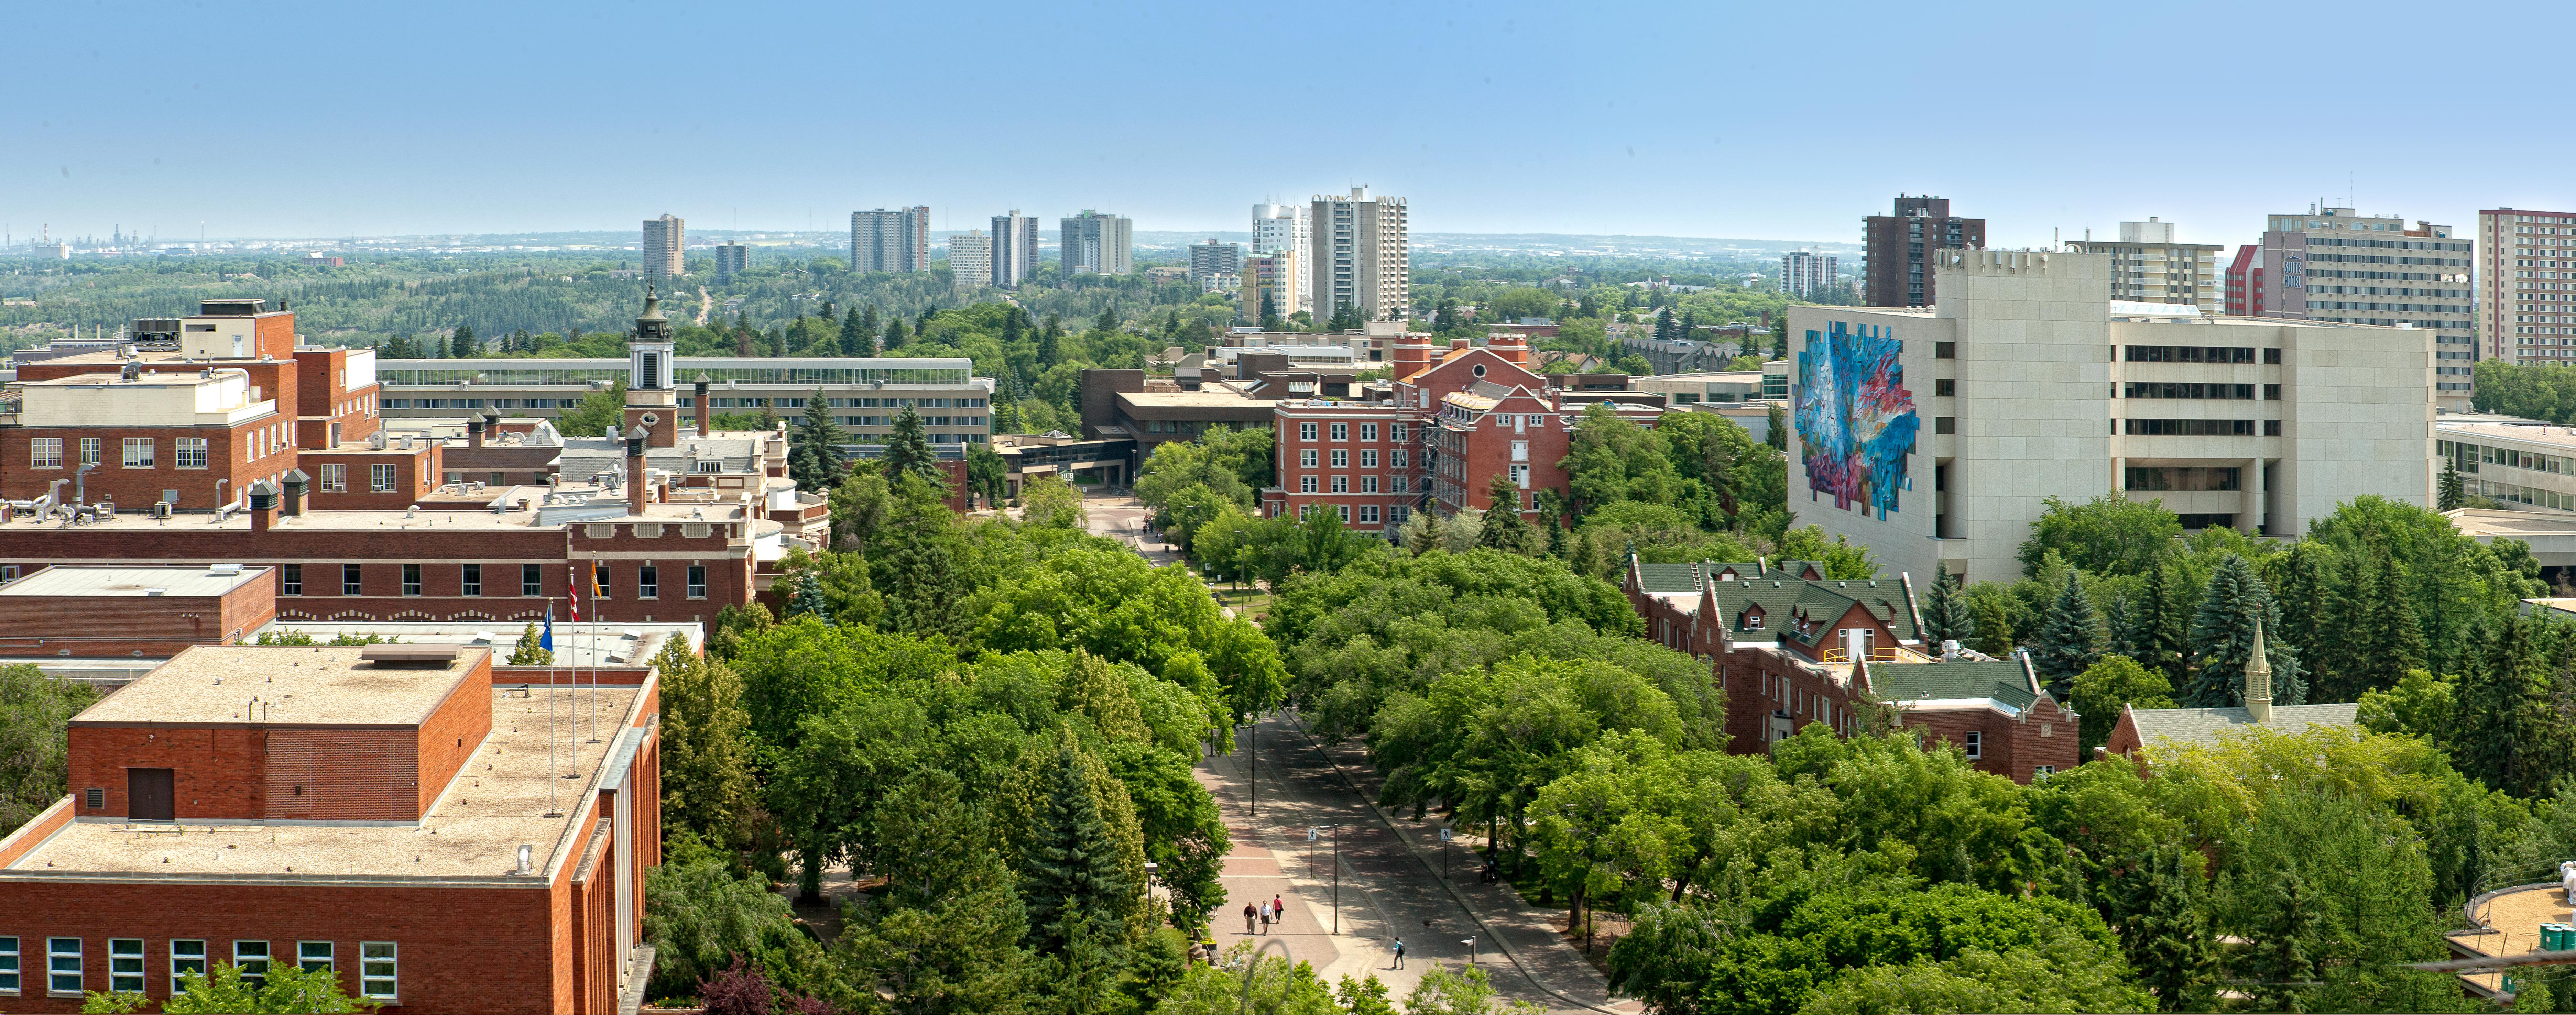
pixel 2515 462
pixel 1285 229
pixel 1804 273
pixel 1935 435
pixel 970 259
pixel 1015 249
pixel 1363 256
pixel 666 239
pixel 2149 266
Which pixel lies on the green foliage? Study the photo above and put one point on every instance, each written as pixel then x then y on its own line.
pixel 707 783
pixel 2069 640
pixel 531 649
pixel 279 637
pixel 1278 986
pixel 2109 534
pixel 700 915
pixel 2421 705
pixel 1049 502
pixel 1841 559
pixel 813 447
pixel 1069 870
pixel 2105 688
pixel 283 988
pixel 35 766
pixel 1945 611
pixel 2222 641
pixel 1444 990
pixel 908 453
pixel 596 412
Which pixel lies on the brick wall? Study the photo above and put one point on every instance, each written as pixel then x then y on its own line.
pixel 235 457
pixel 417 473
pixel 134 625
pixel 447 739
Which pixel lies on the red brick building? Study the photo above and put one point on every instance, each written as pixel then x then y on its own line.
pixel 2244 290
pixel 1782 640
pixel 134 612
pixel 386 813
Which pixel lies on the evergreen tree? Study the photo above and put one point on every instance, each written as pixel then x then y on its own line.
pixel 918 567
pixel 463 344
pixel 1050 349
pixel 1775 430
pixel 2392 636
pixel 2162 628
pixel 2222 640
pixel 531 650
pixel 814 453
pixel 864 343
pixel 2279 957
pixel 2120 627
pixel 894 335
pixel 1069 872
pixel 2312 614
pixel 2454 492
pixel 921 325
pixel 2069 639
pixel 2509 737
pixel 2164 927
pixel 855 333
pixel 1945 614
pixel 1505 529
pixel 809 599
pixel 908 450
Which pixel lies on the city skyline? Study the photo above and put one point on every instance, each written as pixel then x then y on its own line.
pixel 1661 151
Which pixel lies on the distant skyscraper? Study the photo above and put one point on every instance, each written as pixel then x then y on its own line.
pixel 1362 259
pixel 1015 249
pixel 2147 266
pixel 731 258
pixel 1285 229
pixel 1271 277
pixel 1805 273
pixel 2332 265
pixel 896 241
pixel 1900 246
pixel 970 259
pixel 1214 258
pixel 664 240
pixel 1097 244
pixel 2523 322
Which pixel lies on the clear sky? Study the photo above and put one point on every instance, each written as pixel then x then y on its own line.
pixel 1764 120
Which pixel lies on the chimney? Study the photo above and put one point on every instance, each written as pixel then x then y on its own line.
pixel 1456 344
pixel 1412 354
pixel 296 484
pixel 701 386
pixel 635 471
pixel 263 505
pixel 473 431
pixel 1510 346
pixel 2258 680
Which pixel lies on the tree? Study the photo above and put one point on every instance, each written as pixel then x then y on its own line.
pixel 2314 616
pixel 1278 986
pixel 894 334
pixel 700 917
pixel 462 345
pixel 2161 623
pixel 1505 529
pixel 814 453
pixel 531 650
pixel 987 474
pixel 1945 613
pixel 2069 640
pixel 1841 560
pixel 2109 534
pixel 2222 641
pixel 1462 991
pixel 1990 613
pixel 2165 930
pixel 1775 427
pixel 808 598
pixel 908 451
pixel 597 412
pixel 2509 733
pixel 918 567
pixel 35 767
pixel 2104 688
pixel 2454 492
pixel 706 751
pixel 1049 502
pixel 1069 869
pixel 283 988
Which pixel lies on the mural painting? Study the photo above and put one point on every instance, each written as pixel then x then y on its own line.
pixel 1855 420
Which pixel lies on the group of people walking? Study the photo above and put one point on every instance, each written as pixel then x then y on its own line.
pixel 1264 913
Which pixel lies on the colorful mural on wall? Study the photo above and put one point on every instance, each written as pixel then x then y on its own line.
pixel 1856 421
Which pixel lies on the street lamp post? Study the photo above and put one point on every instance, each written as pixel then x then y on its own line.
pixel 1335 833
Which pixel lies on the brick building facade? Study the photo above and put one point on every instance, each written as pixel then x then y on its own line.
pixel 1781 641
pixel 385 812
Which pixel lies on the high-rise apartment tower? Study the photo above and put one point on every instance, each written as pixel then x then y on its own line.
pixel 1805 273
pixel 1362 258
pixel 731 258
pixel 1015 249
pixel 2332 265
pixel 664 239
pixel 1097 244
pixel 2526 313
pixel 1900 247
pixel 2148 266
pixel 1285 229
pixel 970 259
pixel 897 240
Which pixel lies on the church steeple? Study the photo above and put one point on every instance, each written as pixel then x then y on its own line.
pixel 2258 680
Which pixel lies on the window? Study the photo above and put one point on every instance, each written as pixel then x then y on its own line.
pixel 1341 458
pixel 1368 513
pixel 1368 484
pixel 697 582
pixel 349 585
pixel 1341 484
pixel 1368 431
pixel 1753 622
pixel 335 478
pixel 138 452
pixel 376 967
pixel 2272 356
pixel 2191 428
pixel 1305 484
pixel 380 478
pixel 1945 424
pixel 62 965
pixel 1368 459
pixel 1305 431
pixel 1976 745
pixel 1344 510
pixel 1306 457
pixel 313 956
pixel 8 965
pixel 1341 431
pixel 8 573
pixel 252 957
pixel 532 582
pixel 1395 432
pixel 599 581
pixel 91 448
pixel 2043 772
pixel 291 579
pixel 2271 428
pixel 473 579
pixel 2180 389
pixel 1397 483
pixel 2189 354
pixel 45 453
pixel 125 964
pixel 2271 392
pixel 1945 350
pixel 1398 457
pixel 648 582
pixel 1945 388
pixel 185 957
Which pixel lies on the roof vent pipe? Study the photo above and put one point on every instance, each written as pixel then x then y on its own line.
pixel 526 854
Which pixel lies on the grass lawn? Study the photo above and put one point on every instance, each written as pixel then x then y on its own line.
pixel 1249 602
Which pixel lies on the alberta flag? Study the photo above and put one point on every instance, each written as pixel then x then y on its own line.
pixel 546 640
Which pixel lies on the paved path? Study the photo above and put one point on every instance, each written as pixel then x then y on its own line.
pixel 1386 887
pixel 1120 517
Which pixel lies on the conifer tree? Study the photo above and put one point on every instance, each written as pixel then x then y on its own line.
pixel 864 342
pixel 463 344
pixel 2392 635
pixel 894 335
pixel 2120 628
pixel 908 450
pixel 2312 612
pixel 1069 872
pixel 809 598
pixel 2069 639
pixel 855 333
pixel 1107 321
pixel 2222 640
pixel 1945 614
pixel 2165 927
pixel 2508 734
pixel 2454 492
pixel 1505 529
pixel 919 564
pixel 2162 625
pixel 814 453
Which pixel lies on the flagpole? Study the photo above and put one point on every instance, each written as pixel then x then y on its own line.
pixel 593 724
pixel 554 776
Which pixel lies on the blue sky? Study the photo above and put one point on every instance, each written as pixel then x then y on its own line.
pixel 1785 121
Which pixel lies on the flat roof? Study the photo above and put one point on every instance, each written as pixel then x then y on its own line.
pixel 583 644
pixel 1194 400
pixel 296 685
pixel 467 515
pixel 2493 522
pixel 2538 433
pixel 133 580
pixel 474 830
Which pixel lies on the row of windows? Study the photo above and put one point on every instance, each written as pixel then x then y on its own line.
pixel 925 420
pixel 1342 484
pixel 1368 513
pixel 1396 459
pixel 2199 427
pixel 481 403
pixel 691 402
pixel 648 580
pixel 2470 456
pixel 67 959
pixel 2197 354
pixel 2194 389
pixel 2184 478
pixel 1342 431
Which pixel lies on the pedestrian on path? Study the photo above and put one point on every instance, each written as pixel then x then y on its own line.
pixel 1266 917
pixel 1399 953
pixel 1279 908
pixel 1249 912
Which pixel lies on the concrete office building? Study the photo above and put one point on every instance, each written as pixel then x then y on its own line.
pixel 1933 435
pixel 1362 256
pixel 1285 229
pixel 970 259
pixel 731 259
pixel 2512 461
pixel 665 240
pixel 1015 249
pixel 1097 244
pixel 892 241
pixel 1805 273
pixel 2526 267
pixel 1900 247
pixel 2333 265
pixel 1273 277
pixel 867 393
pixel 2149 266
pixel 1214 258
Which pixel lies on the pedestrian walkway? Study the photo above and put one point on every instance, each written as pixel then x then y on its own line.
pixel 1385 887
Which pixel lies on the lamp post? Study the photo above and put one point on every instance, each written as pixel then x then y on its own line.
pixel 1333 832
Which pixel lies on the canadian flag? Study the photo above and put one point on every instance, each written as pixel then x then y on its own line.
pixel 572 592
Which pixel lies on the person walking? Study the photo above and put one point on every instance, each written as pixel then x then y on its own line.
pixel 1399 953
pixel 1279 909
pixel 1249 912
pixel 1265 918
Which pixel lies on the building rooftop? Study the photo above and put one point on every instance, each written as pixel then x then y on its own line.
pixel 473 831
pixel 583 644
pixel 469 515
pixel 133 581
pixel 2192 727
pixel 2005 682
pixel 295 686
pixel 1193 400
pixel 2539 433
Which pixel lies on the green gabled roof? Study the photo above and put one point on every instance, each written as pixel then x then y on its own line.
pixel 1782 598
pixel 2003 681
pixel 1681 577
